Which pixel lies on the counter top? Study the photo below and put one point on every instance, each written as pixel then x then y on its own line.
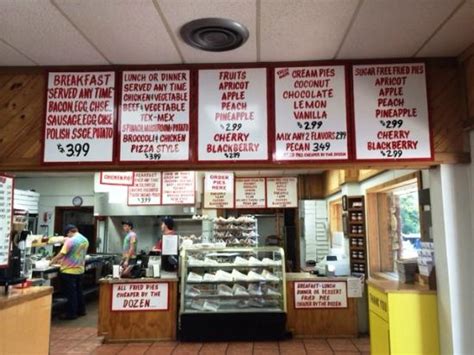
pixel 306 276
pixel 172 276
pixel 20 295
pixel 390 286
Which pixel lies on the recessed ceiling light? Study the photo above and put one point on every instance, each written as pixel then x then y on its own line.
pixel 214 34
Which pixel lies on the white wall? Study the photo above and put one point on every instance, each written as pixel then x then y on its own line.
pixel 58 191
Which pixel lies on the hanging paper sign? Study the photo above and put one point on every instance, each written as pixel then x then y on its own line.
pixel 154 116
pixel 6 213
pixel 146 189
pixel 232 115
pixel 310 113
pixel 320 294
pixel 250 193
pixel 282 192
pixel 143 296
pixel 120 178
pixel 79 117
pixel 391 112
pixel 179 188
pixel 219 190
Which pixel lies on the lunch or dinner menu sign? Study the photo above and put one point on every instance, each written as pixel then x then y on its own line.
pixel 6 212
pixel 282 192
pixel 145 296
pixel 79 123
pixel 146 189
pixel 320 294
pixel 120 178
pixel 310 113
pixel 178 187
pixel 154 116
pixel 391 112
pixel 232 115
pixel 250 192
pixel 219 190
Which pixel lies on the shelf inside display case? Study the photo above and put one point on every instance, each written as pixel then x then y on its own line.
pixel 227 288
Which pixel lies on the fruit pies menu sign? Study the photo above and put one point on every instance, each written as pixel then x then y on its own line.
pixel 79 124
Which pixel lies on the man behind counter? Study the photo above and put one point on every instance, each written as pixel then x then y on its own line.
pixel 129 251
pixel 169 259
pixel 72 259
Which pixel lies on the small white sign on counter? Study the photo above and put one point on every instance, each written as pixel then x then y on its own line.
pixel 170 245
pixel 355 287
pixel 320 294
pixel 140 296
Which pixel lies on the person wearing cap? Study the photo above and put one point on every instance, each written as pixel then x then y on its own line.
pixel 129 251
pixel 72 258
pixel 167 228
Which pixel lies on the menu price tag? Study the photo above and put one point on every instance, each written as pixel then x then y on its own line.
pixel 310 113
pixel 320 294
pixel 282 192
pixel 250 193
pixel 219 190
pixel 146 189
pixel 79 117
pixel 154 116
pixel 146 296
pixel 179 188
pixel 232 115
pixel 119 178
pixel 6 213
pixel 391 112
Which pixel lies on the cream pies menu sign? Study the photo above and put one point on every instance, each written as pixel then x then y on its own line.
pixel 79 123
pixel 250 192
pixel 154 116
pixel 219 190
pixel 232 115
pixel 282 192
pixel 310 113
pixel 6 211
pixel 391 112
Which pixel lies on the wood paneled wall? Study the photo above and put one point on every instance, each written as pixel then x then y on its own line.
pixel 467 60
pixel 22 100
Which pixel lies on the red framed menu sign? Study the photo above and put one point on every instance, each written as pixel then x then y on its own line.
pixel 282 192
pixel 232 116
pixel 250 192
pixel 391 115
pixel 311 113
pixel 179 187
pixel 154 116
pixel 219 190
pixel 320 294
pixel 80 117
pixel 140 296
pixel 146 189
pixel 6 214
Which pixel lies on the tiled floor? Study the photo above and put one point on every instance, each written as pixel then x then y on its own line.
pixel 83 340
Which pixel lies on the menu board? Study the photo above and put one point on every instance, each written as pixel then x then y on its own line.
pixel 140 296
pixel 310 113
pixel 232 115
pixel 146 189
pixel 79 117
pixel 320 294
pixel 178 188
pixel 219 190
pixel 250 193
pixel 154 116
pixel 6 212
pixel 120 178
pixel 391 112
pixel 282 192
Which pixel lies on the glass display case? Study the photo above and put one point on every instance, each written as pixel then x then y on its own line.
pixel 232 290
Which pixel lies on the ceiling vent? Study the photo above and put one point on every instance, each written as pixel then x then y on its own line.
pixel 214 34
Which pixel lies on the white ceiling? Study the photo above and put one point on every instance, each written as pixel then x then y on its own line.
pixel 91 32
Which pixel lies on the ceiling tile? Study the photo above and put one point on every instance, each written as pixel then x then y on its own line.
pixel 39 30
pixel 455 36
pixel 303 29
pixel 179 12
pixel 388 28
pixel 125 31
pixel 11 57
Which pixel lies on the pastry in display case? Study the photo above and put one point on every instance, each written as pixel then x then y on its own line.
pixel 228 288
pixel 237 232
